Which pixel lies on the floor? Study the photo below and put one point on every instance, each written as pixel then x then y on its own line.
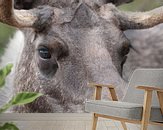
pixel 60 122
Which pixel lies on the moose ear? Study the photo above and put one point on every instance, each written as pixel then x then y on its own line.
pixel 84 17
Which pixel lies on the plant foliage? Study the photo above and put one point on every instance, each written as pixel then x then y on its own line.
pixel 3 74
pixel 19 99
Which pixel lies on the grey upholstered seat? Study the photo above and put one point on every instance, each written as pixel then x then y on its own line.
pixel 132 105
pixel 131 111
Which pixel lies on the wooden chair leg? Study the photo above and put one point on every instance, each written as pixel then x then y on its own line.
pixel 94 122
pixel 146 110
pixel 124 125
pixel 160 98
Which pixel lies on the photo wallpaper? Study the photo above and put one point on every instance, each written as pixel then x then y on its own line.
pixel 54 58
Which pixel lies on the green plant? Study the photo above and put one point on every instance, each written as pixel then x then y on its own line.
pixel 3 74
pixel 19 99
pixel 6 32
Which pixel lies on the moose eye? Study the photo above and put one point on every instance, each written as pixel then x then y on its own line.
pixel 44 53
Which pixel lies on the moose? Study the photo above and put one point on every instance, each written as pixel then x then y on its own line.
pixel 69 43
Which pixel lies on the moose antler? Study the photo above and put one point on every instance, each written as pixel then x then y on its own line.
pixel 134 20
pixel 17 18
pixel 141 20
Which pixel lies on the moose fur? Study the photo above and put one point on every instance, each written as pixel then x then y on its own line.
pixel 83 46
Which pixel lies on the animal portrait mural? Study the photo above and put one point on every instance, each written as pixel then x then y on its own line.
pixel 69 43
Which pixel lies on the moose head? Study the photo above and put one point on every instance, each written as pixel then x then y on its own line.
pixel 68 46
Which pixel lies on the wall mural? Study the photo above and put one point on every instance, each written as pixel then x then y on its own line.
pixel 73 43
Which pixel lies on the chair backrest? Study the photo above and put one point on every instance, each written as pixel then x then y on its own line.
pixel 147 77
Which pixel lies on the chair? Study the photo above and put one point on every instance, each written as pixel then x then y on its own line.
pixel 138 106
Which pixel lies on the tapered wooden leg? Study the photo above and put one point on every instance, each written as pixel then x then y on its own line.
pixel 94 122
pixel 160 97
pixel 124 125
pixel 146 109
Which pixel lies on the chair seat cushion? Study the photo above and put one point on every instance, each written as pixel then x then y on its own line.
pixel 131 111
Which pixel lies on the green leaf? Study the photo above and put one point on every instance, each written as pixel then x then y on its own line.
pixel 3 73
pixel 21 99
pixel 5 107
pixel 2 82
pixel 8 126
pixel 6 70
pixel 24 98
